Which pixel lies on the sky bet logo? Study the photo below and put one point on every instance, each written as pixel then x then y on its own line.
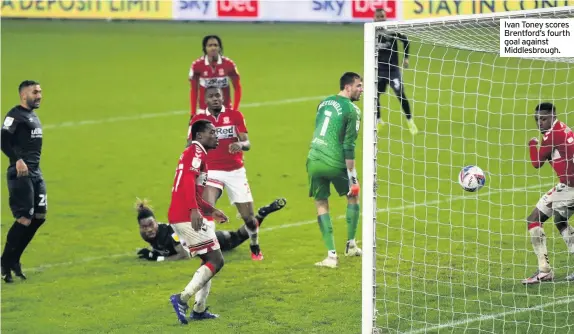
pixel 329 6
pixel 195 6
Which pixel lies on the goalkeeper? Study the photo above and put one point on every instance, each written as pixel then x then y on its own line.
pixel 390 71
pixel 331 159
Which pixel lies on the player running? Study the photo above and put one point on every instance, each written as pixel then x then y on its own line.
pixel 332 160
pixel 558 148
pixel 165 243
pixel 226 167
pixel 192 219
pixel 390 71
pixel 213 70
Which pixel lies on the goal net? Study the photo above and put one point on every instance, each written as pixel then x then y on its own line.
pixel 437 258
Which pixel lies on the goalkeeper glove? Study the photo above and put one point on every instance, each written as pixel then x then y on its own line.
pixel 354 187
pixel 146 254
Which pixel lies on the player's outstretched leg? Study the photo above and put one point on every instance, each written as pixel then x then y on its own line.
pixel 352 216
pixel 544 272
pixel 229 240
pixel 326 227
pixel 252 227
pixel 264 211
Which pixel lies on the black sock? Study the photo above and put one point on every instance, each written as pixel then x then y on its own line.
pixel 238 237
pixel 259 219
pixel 13 242
pixel 27 237
pixel 406 106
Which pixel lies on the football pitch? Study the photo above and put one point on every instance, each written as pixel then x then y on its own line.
pixel 115 115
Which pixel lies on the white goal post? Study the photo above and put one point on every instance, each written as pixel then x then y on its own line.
pixel 434 257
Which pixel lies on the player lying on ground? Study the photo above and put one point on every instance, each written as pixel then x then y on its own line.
pixel 22 144
pixel 558 149
pixel 226 167
pixel 193 220
pixel 213 70
pixel 331 159
pixel 390 71
pixel 165 244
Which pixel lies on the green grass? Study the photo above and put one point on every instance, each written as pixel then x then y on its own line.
pixel 444 257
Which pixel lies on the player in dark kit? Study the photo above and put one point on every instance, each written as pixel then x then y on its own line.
pixel 390 71
pixel 165 243
pixel 22 144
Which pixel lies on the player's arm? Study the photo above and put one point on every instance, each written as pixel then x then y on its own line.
pixel 235 80
pixel 209 209
pixel 194 91
pixel 539 157
pixel 180 255
pixel 406 43
pixel 243 144
pixel 351 134
pixel 8 131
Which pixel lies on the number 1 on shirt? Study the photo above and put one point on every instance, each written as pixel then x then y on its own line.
pixel 325 123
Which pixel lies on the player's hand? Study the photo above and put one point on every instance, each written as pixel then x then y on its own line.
pixel 147 254
pixel 235 147
pixel 196 220
pixel 21 168
pixel 219 216
pixel 406 63
pixel 533 142
pixel 354 187
pixel 354 190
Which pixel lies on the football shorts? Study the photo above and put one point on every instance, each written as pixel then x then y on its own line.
pixel 197 242
pixel 235 182
pixel 558 199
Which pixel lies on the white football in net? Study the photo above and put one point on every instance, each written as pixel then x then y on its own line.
pixel 471 178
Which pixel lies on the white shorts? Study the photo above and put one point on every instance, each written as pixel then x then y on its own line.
pixel 234 181
pixel 559 199
pixel 197 242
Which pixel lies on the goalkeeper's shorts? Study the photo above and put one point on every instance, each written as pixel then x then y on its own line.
pixel 321 175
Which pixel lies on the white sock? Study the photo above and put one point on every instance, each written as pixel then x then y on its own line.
pixel 539 245
pixel 332 253
pixel 253 235
pixel 352 243
pixel 201 298
pixel 568 236
pixel 200 278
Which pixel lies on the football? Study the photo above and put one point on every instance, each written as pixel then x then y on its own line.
pixel 471 178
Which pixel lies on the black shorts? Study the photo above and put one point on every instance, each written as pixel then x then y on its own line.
pixel 392 77
pixel 27 195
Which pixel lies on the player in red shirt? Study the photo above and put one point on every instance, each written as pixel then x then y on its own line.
pixel 192 219
pixel 213 70
pixel 226 168
pixel 558 149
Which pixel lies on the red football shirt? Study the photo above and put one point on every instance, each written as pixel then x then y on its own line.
pixel 190 177
pixel 557 147
pixel 202 74
pixel 228 125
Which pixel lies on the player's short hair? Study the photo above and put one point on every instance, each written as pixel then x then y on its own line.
pixel 27 83
pixel 143 209
pixel 211 87
pixel 347 79
pixel 198 126
pixel 546 106
pixel 207 38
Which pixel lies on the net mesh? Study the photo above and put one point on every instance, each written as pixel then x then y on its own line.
pixel 448 260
